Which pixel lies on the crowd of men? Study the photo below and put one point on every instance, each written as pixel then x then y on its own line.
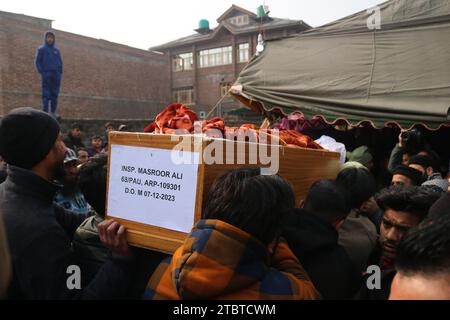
pixel 348 240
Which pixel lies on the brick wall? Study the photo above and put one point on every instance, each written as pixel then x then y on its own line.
pixel 97 126
pixel 102 80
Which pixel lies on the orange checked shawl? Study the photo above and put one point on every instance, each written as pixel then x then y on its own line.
pixel 220 261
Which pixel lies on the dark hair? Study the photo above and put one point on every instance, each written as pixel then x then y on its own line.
pixel 96 137
pixel 414 141
pixel 441 207
pixel 435 159
pixel 413 200
pixel 250 201
pixel 423 161
pixel 329 200
pixel 426 248
pixel 414 175
pixel 77 126
pixel 360 183
pixel 81 149
pixel 92 182
pixel 109 124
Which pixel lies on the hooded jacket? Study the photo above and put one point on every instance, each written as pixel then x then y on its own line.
pixel 220 261
pixel 315 243
pixel 39 235
pixel 48 58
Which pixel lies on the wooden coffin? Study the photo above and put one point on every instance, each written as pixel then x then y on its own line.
pixel 149 195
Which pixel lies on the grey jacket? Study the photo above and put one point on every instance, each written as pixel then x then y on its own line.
pixel 396 158
pixel 358 235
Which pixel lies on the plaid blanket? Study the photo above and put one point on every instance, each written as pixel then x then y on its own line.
pixel 220 261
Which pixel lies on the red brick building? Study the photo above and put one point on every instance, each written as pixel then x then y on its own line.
pixel 204 65
pixel 102 80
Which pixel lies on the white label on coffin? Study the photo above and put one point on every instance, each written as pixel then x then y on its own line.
pixel 145 186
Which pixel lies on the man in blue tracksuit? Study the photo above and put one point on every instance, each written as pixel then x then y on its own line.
pixel 50 66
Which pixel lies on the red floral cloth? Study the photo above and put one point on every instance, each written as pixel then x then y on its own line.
pixel 174 116
pixel 177 116
pixel 292 137
pixel 215 123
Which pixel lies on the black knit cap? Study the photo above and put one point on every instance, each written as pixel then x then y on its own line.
pixel 415 175
pixel 27 136
pixel 423 161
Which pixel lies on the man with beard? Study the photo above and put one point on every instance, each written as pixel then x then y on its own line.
pixel 40 232
pixel 407 176
pixel 73 140
pixel 70 196
pixel 432 178
pixel 403 209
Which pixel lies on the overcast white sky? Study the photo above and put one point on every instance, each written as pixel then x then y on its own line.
pixel 146 23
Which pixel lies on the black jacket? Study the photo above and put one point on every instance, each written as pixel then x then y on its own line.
pixel 39 235
pixel 3 173
pixel 386 277
pixel 73 143
pixel 383 293
pixel 315 244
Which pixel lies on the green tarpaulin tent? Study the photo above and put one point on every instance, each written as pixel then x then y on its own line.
pixel 353 69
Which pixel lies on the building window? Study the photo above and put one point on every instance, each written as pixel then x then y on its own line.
pixel 184 96
pixel 224 88
pixel 183 62
pixel 215 57
pixel 239 20
pixel 243 52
